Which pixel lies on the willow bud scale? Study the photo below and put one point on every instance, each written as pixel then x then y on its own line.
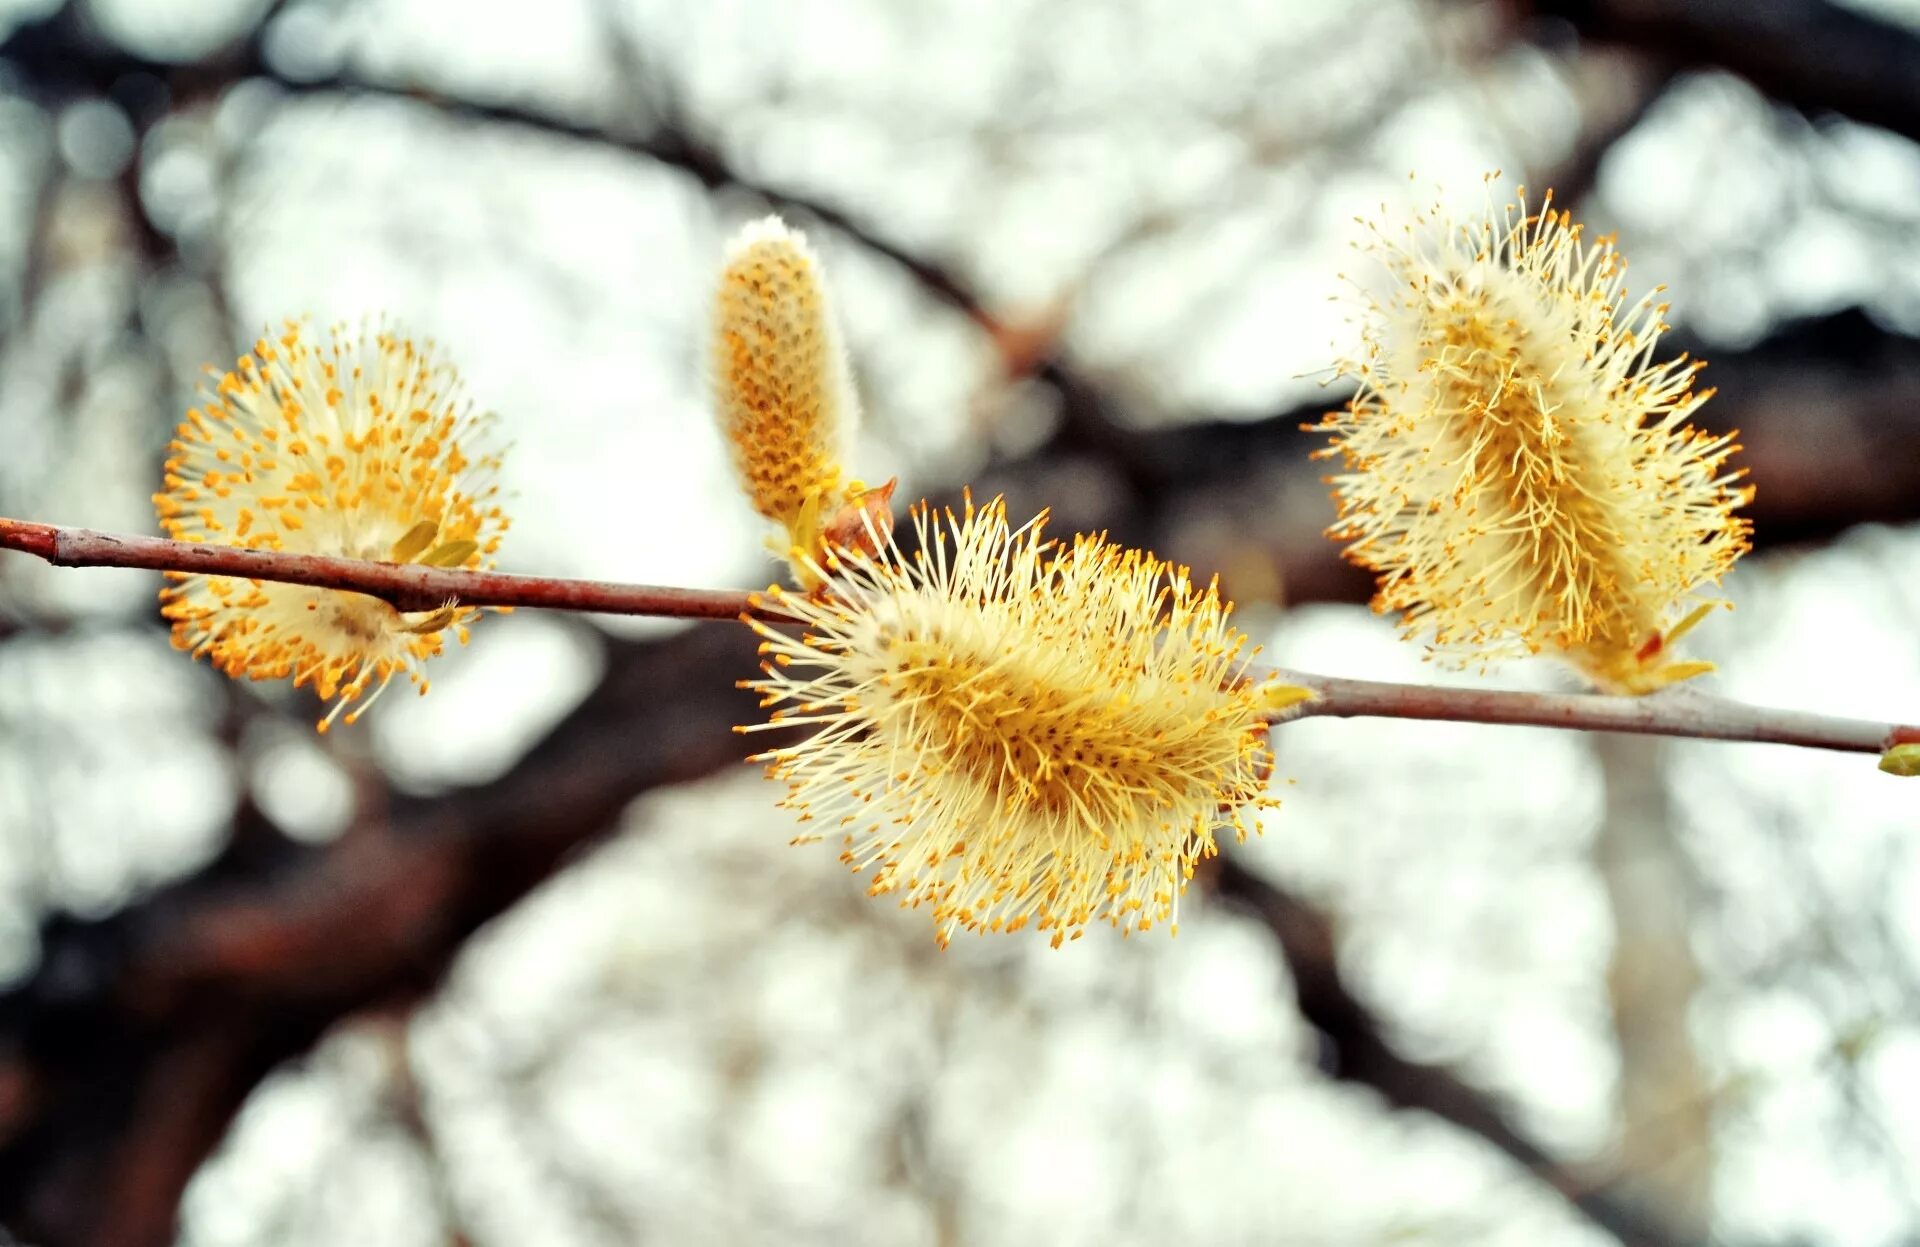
pixel 1015 733
pixel 360 448
pixel 1518 468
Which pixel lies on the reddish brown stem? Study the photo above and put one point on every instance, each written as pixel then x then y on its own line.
pixel 404 586
pixel 28 537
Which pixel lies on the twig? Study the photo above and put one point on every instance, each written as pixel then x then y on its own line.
pixel 404 586
pixel 411 586
pixel 1678 711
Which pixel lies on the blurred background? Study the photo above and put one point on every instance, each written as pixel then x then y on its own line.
pixel 529 961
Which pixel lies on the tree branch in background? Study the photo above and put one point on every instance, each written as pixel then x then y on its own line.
pixel 1814 55
pixel 1356 1051
pixel 234 973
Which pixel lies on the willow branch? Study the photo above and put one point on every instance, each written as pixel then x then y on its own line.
pixel 403 586
pixel 1680 711
pixel 413 587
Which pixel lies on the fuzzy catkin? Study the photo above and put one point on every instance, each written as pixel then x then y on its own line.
pixel 1517 468
pixel 1015 734
pixel 360 446
pixel 781 391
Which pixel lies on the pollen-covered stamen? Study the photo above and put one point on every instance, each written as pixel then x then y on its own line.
pixel 359 447
pixel 1518 469
pixel 1016 734
pixel 1062 751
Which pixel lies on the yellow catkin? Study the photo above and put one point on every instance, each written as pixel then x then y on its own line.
pixel 781 390
pixel 360 446
pixel 1014 733
pixel 1518 469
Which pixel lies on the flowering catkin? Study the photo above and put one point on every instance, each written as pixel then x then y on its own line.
pixel 1517 466
pixel 359 448
pixel 781 390
pixel 1012 732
